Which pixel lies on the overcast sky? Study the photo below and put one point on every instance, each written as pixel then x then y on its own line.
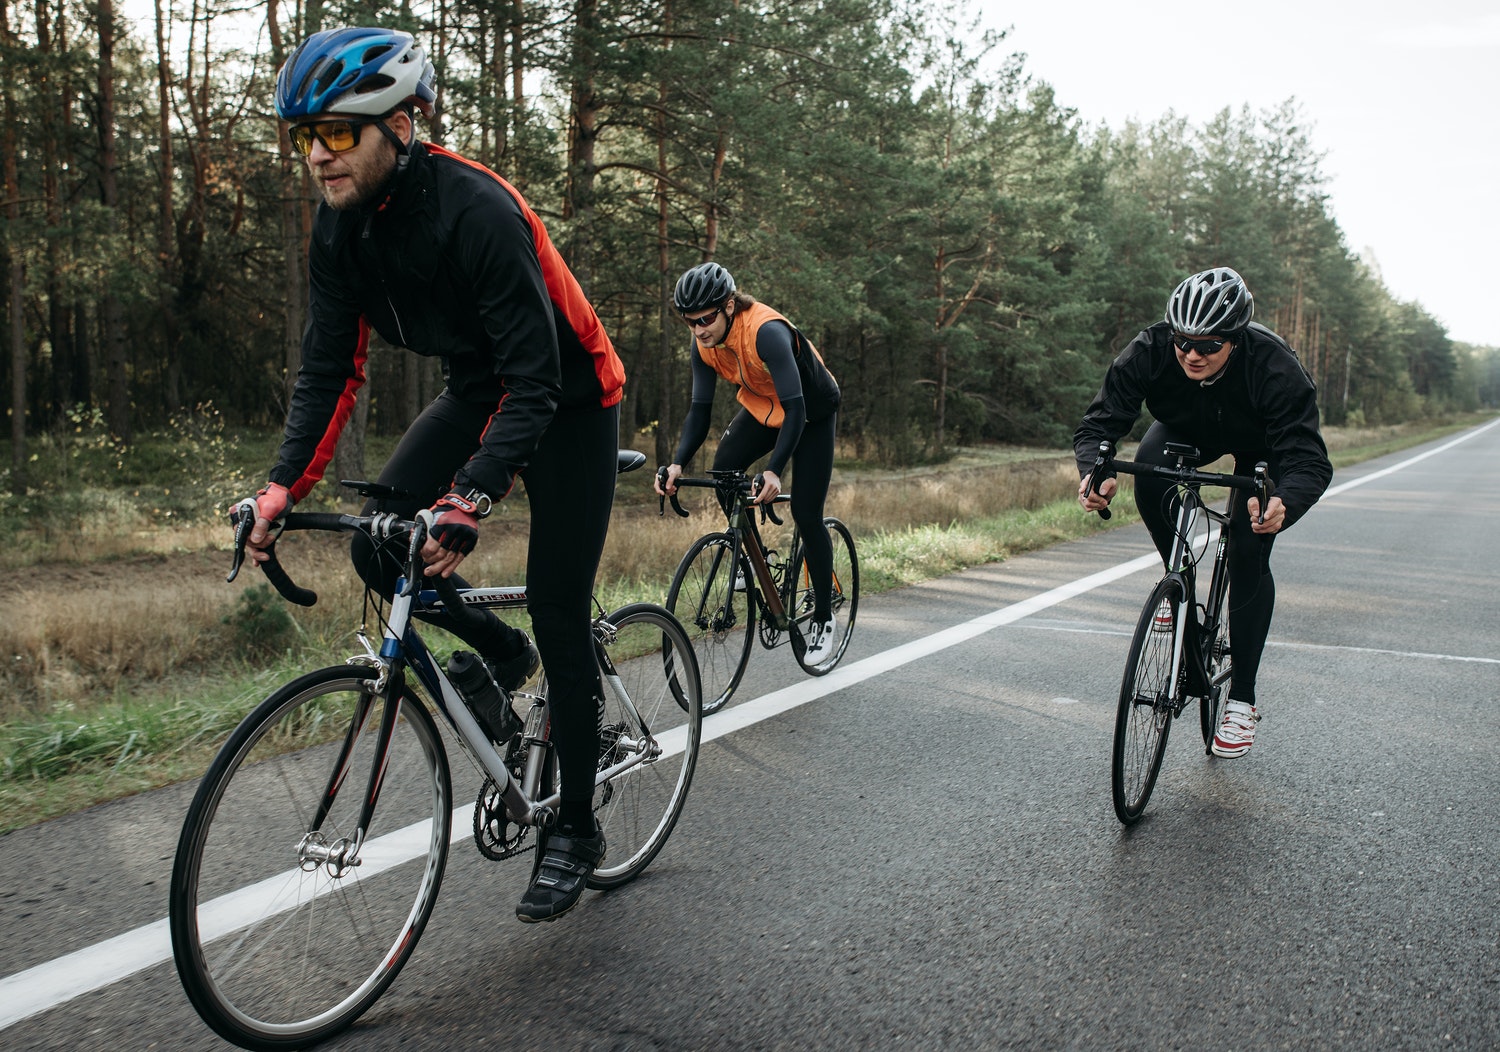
pixel 1402 97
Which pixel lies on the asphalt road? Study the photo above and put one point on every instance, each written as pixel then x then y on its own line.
pixel 919 851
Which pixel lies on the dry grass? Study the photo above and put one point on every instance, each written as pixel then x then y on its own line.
pixel 81 629
pixel 118 671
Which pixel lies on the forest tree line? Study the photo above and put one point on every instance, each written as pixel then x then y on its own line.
pixel 967 254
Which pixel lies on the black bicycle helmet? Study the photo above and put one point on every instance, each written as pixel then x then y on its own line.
pixel 704 286
pixel 1213 303
pixel 356 71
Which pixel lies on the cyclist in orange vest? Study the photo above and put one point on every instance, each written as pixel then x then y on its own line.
pixel 788 406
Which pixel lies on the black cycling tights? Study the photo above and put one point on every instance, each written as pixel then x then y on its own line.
pixel 570 485
pixel 746 440
pixel 1252 591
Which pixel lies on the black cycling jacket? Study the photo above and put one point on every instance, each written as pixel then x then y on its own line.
pixel 1262 401
pixel 452 263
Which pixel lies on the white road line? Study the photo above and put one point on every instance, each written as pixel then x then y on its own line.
pixel 1088 630
pixel 30 992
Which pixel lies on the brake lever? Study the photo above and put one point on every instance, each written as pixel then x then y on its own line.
pixel 242 518
pixel 1101 461
pixel 1262 491
pixel 419 533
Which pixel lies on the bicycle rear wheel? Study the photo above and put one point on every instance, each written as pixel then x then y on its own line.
pixel 653 714
pixel 276 944
pixel 845 597
pixel 1147 697
pixel 718 618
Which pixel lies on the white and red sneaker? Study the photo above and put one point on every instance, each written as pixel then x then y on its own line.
pixel 1162 622
pixel 1236 731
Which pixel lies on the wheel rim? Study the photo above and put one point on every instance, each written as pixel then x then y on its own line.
pixel 638 809
pixel 719 621
pixel 844 599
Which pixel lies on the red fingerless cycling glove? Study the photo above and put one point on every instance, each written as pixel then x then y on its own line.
pixel 455 526
pixel 273 502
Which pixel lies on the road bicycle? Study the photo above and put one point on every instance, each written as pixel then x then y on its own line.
pixel 1180 650
pixel 311 856
pixel 731 580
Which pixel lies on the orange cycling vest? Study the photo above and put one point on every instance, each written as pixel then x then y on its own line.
pixel 737 361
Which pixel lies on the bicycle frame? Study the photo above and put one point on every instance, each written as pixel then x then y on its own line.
pixel 1182 567
pixel 772 596
pixel 1180 563
pixel 401 648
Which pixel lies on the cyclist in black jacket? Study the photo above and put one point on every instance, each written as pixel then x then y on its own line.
pixel 1217 381
pixel 443 257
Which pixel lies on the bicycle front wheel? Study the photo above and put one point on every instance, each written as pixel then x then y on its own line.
pixel 1220 670
pixel 1147 698
pixel 282 937
pixel 652 724
pixel 718 616
pixel 845 597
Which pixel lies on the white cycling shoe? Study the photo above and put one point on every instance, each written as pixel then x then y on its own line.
pixel 822 641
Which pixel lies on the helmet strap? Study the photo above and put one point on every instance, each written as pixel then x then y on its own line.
pixel 403 151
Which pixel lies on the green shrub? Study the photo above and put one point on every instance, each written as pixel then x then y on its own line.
pixel 260 623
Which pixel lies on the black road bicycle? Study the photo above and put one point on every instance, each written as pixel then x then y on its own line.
pixel 1180 650
pixel 311 856
pixel 731 580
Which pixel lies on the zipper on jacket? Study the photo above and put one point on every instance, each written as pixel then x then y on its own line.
pixel 395 316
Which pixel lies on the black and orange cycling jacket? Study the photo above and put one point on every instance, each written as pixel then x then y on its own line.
pixel 452 264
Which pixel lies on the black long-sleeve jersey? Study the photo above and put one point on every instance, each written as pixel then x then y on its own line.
pixel 1262 400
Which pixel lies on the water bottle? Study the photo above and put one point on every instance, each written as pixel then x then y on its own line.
pixel 486 700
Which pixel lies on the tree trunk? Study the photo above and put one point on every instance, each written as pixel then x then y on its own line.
pixel 439 48
pixel 666 424
pixel 118 349
pixel 16 278
pixel 349 454
pixel 53 102
pixel 293 272
pixel 583 131
pixel 517 70
pixel 711 206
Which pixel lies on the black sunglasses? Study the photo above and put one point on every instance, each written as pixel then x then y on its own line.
pixel 704 321
pixel 1206 348
pixel 337 136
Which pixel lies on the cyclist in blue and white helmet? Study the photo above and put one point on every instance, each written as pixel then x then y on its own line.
pixel 340 82
pixel 441 256
pixel 1215 380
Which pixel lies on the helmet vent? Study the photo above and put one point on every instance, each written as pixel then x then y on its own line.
pixel 379 82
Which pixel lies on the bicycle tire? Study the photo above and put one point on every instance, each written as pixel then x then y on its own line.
pixel 1220 671
pixel 845 598
pixel 274 949
pixel 1143 720
pixel 638 808
pixel 719 620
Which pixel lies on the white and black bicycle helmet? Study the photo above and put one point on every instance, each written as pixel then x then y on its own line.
pixel 704 286
pixel 1213 303
pixel 364 71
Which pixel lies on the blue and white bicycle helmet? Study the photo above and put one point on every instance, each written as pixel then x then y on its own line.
pixel 1213 303
pixel 364 71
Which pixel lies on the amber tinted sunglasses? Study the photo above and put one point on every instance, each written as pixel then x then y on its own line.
pixel 337 136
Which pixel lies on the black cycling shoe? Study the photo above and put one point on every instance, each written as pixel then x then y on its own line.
pixel 560 877
pixel 512 673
